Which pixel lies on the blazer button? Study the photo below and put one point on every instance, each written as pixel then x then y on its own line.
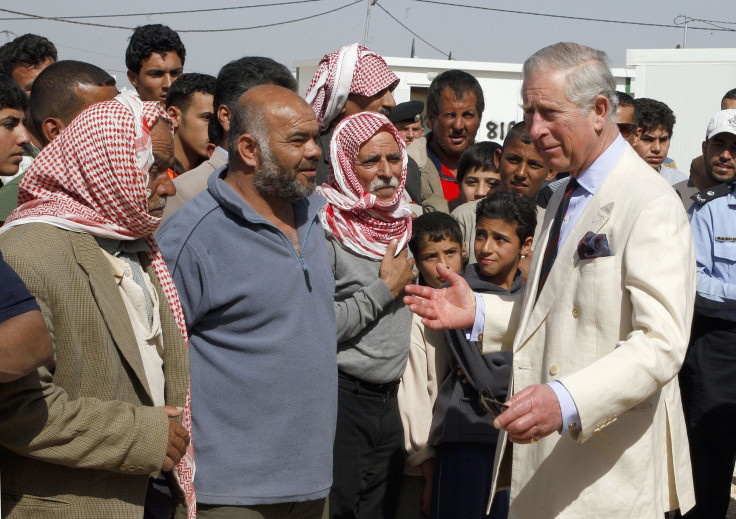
pixel 554 370
pixel 575 312
pixel 480 337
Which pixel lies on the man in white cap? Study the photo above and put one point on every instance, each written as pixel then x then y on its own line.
pixel 349 81
pixel 708 376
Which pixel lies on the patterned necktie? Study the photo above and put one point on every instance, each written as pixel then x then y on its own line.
pixel 550 253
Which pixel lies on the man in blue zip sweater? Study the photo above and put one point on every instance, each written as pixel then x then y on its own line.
pixel 249 260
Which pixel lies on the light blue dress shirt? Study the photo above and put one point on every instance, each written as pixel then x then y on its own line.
pixel 590 180
pixel 714 233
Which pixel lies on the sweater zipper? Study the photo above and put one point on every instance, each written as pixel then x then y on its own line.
pixel 300 256
pixel 305 270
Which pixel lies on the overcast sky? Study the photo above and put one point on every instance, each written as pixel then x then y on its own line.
pixel 469 34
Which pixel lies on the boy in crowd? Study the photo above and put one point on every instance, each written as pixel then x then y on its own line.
pixel 154 58
pixel 189 104
pixel 13 135
pixel 461 431
pixel 436 238
pixel 656 121
pixel 477 173
pixel 521 170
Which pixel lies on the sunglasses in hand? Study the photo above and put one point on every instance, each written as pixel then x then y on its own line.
pixel 489 404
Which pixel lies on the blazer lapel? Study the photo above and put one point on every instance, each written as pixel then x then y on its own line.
pixel 111 305
pixel 593 218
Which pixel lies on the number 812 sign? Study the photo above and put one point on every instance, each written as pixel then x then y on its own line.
pixel 494 127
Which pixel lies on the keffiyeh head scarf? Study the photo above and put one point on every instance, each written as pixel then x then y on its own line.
pixel 355 217
pixel 351 70
pixel 93 179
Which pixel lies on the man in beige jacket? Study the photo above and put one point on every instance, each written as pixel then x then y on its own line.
pixel 595 417
pixel 96 433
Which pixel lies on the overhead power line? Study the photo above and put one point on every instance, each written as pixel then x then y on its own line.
pixel 187 11
pixel 579 18
pixel 107 26
pixel 701 20
pixel 412 32
pixel 275 23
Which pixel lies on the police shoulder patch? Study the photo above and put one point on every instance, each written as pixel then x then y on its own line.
pixel 706 195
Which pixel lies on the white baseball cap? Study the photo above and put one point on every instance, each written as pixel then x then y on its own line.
pixel 723 122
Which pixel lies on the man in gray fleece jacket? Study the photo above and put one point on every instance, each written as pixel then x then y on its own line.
pixel 368 223
pixel 249 260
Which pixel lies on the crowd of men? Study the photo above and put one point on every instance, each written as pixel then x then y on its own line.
pixel 221 299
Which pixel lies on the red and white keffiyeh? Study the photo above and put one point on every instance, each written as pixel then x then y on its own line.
pixel 354 69
pixel 93 179
pixel 355 217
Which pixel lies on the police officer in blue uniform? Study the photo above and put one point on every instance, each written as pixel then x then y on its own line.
pixel 708 376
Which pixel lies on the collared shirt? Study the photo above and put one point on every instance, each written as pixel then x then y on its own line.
pixel 714 234
pixel 143 311
pixel 590 181
pixel 222 150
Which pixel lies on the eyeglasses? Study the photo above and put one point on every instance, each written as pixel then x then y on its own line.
pixel 626 129
pixel 489 404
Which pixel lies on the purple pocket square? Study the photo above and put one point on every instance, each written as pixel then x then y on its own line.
pixel 593 246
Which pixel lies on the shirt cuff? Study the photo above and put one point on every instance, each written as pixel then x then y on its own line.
pixel 570 416
pixel 472 334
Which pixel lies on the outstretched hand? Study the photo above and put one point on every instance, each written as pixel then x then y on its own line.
pixel 451 308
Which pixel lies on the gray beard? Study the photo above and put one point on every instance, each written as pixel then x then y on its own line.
pixel 274 179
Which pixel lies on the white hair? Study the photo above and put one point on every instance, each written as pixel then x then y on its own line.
pixel 586 73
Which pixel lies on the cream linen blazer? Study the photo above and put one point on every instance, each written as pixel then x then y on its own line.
pixel 614 330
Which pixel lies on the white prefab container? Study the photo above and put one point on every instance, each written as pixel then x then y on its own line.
pixel 501 83
pixel 691 82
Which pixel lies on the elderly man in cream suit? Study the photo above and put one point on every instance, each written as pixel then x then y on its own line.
pixel 595 417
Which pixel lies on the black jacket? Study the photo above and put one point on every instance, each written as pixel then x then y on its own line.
pixel 457 415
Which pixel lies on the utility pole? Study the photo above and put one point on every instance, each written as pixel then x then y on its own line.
pixel 684 43
pixel 368 22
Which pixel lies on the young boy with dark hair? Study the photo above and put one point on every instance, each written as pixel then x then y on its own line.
pixel 154 58
pixel 521 169
pixel 477 173
pixel 462 432
pixel 13 135
pixel 462 435
pixel 189 103
pixel 436 238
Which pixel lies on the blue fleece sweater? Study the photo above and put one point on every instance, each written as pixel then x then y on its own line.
pixel 262 347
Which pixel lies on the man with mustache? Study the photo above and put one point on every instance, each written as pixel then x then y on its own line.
pixel 352 80
pixel 249 258
pixel 96 433
pixel 707 376
pixel 454 108
pixel 368 225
